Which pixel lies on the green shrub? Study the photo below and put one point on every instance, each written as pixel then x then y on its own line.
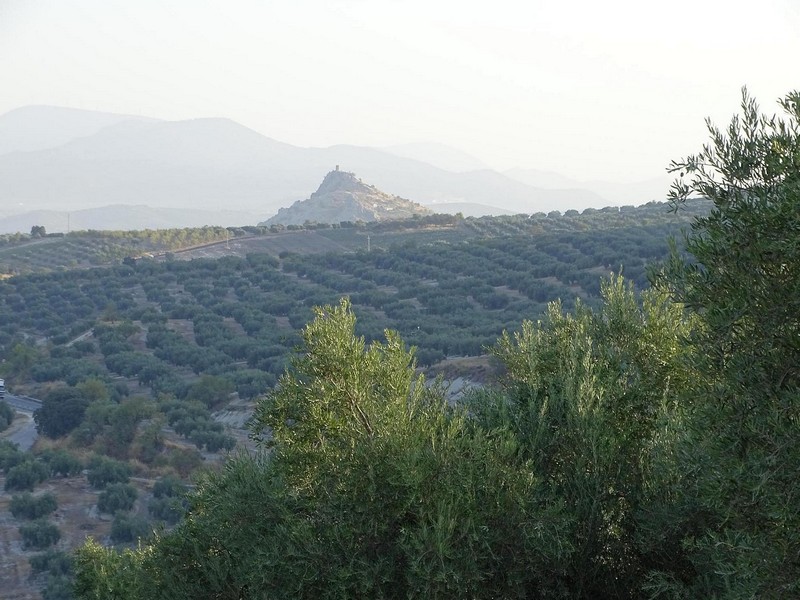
pixel 52 561
pixel 62 411
pixel 103 471
pixel 167 509
pixel 26 475
pixel 128 528
pixel 62 463
pixel 39 534
pixel 168 487
pixel 185 460
pixel 210 390
pixel 58 587
pixel 212 441
pixel 10 456
pixel 6 415
pixel 116 497
pixel 149 443
pixel 26 506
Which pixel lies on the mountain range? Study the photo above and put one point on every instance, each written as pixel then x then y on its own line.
pixel 74 162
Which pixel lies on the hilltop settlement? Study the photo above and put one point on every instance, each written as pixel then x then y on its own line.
pixel 343 197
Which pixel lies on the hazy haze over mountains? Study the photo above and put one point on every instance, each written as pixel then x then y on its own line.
pixel 438 155
pixel 637 192
pixel 33 128
pixel 594 91
pixel 118 217
pixel 62 160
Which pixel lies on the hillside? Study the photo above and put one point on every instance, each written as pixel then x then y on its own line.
pixel 413 273
pixel 184 329
pixel 343 197
pixel 20 253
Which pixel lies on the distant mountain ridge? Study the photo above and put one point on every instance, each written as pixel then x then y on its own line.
pixel 33 128
pixel 343 197
pixel 65 160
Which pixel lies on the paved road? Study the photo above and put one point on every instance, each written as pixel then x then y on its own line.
pixel 23 403
pixel 23 430
pixel 81 337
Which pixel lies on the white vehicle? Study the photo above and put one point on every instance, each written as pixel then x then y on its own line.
pixel 2 389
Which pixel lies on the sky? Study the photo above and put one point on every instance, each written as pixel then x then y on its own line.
pixel 608 90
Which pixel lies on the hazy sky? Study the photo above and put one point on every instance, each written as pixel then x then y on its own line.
pixel 610 90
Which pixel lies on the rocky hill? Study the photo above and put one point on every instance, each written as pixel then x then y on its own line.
pixel 344 197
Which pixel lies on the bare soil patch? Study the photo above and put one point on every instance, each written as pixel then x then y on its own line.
pixel 183 327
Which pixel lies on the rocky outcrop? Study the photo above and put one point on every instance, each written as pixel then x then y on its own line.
pixel 344 197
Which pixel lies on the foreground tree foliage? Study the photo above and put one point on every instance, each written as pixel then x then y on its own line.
pixel 588 397
pixel 375 488
pixel 738 453
pixel 645 449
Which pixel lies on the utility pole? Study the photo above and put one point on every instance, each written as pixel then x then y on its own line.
pixel 368 247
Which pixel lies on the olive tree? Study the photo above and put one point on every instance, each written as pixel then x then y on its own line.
pixel 589 396
pixel 740 449
pixel 374 487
